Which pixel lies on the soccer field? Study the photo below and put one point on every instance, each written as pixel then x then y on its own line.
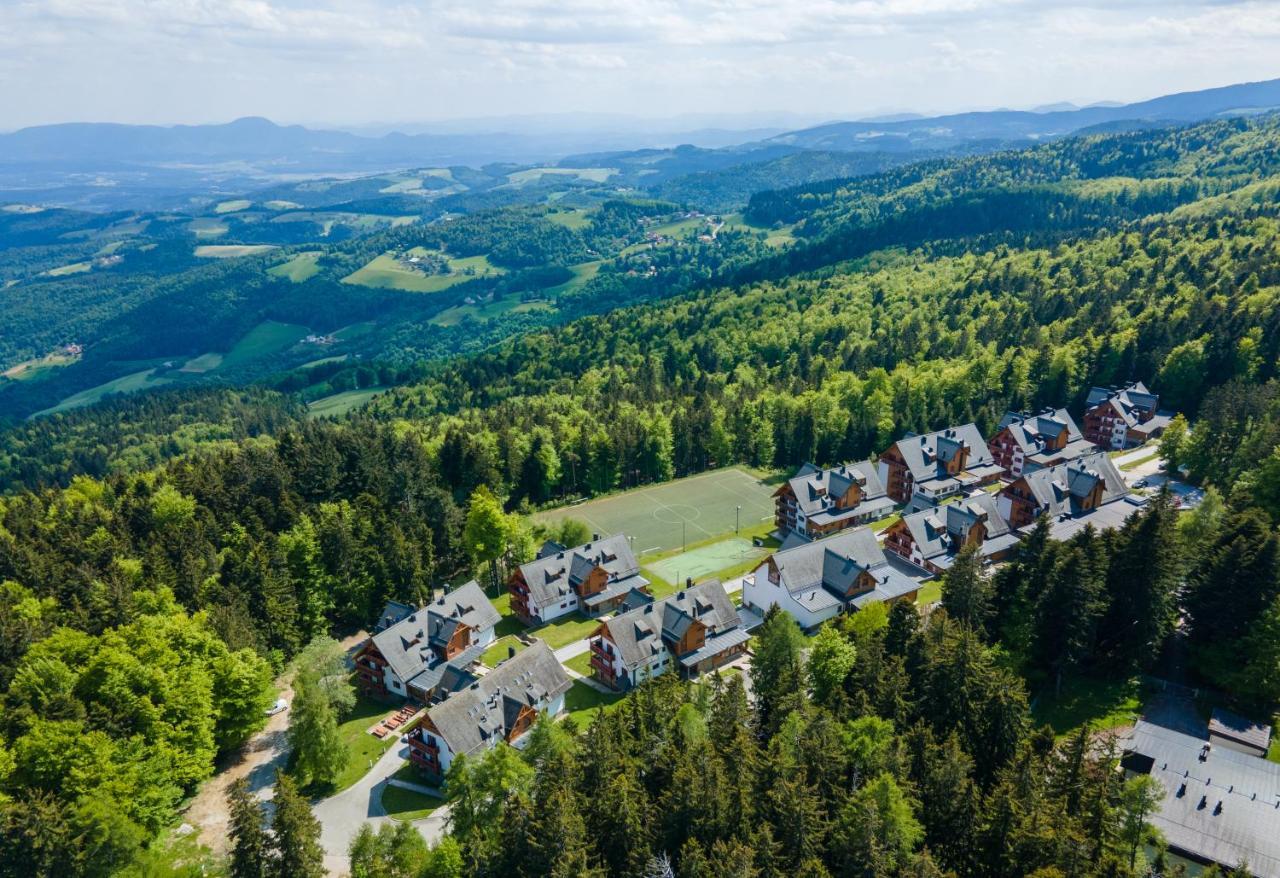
pixel 669 515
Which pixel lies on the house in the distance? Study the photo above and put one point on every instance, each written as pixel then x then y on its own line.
pixel 1087 491
pixel 931 538
pixel 1123 417
pixel 502 705
pixel 817 503
pixel 937 465
pixel 413 655
pixel 692 632
pixel 816 581
pixel 592 578
pixel 1025 442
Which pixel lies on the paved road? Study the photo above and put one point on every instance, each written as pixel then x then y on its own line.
pixel 341 816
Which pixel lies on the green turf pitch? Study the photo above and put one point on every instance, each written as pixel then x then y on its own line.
pixel 697 563
pixel 667 516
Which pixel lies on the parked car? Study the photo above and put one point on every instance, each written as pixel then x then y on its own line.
pixel 1140 483
pixel 279 707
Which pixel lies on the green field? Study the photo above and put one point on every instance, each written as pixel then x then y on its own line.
pixel 363 748
pixel 487 310
pixel 341 403
pixel 582 273
pixel 203 363
pixel 583 703
pixel 207 227
pixel 234 206
pixel 73 268
pixel 30 369
pixel 674 514
pixel 231 251
pixel 268 337
pixel 500 650
pixel 731 553
pixel 131 383
pixel 580 663
pixel 282 205
pixel 302 267
pixel 388 272
pixel 570 218
pixel 531 176
pixel 406 805
pixel 1104 704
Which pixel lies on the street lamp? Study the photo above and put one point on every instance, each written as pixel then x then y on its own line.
pixel 737 516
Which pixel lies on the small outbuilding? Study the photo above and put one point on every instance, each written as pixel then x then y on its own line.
pixel 1235 732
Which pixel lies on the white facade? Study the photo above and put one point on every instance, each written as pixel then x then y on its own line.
pixel 759 594
pixel 553 708
pixel 391 680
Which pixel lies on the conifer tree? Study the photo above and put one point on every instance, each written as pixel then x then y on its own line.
pixel 250 852
pixel 295 833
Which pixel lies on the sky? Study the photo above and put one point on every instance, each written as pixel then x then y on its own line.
pixel 352 62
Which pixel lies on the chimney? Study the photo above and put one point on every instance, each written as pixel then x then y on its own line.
pixel 511 652
pixel 595 538
pixel 688 582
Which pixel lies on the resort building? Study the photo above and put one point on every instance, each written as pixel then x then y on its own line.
pixel 816 581
pixel 591 579
pixel 817 503
pixel 502 705
pixel 1026 442
pixel 937 465
pixel 931 539
pixel 413 654
pixel 1123 417
pixel 692 632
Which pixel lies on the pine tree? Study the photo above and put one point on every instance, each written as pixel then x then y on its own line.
pixel 966 592
pixel 295 833
pixel 1142 581
pixel 250 852
pixel 320 755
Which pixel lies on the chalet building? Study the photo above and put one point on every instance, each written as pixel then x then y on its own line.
pixel 931 539
pixel 1025 442
pixel 592 579
pixel 692 632
pixel 817 503
pixel 424 654
pixel 1219 805
pixel 937 465
pixel 1123 417
pixel 393 613
pixel 1087 491
pixel 816 581
pixel 500 706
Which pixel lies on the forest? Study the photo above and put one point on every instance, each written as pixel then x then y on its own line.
pixel 164 556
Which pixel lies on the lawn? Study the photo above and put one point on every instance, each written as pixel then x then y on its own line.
pixel 203 363
pixel 580 663
pixel 268 337
pixel 300 268
pixel 29 369
pixel 583 272
pixel 207 227
pixel 73 268
pixel 231 251
pixel 583 703
pixel 679 514
pixel 364 749
pixel 500 650
pixel 930 593
pixel 488 310
pixel 1273 754
pixel 340 403
pixel 565 630
pixel 1105 704
pixel 406 805
pixel 388 272
pixel 535 175
pixel 722 557
pixel 570 218
pixel 1134 464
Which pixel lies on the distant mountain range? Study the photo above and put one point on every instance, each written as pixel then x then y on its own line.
pixel 1016 127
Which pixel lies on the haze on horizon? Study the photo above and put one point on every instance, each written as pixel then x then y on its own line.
pixel 360 62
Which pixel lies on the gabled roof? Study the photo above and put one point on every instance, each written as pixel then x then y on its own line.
pixel 819 574
pixel 392 613
pixel 1058 489
pixel 553 577
pixel 644 632
pixel 1032 433
pixel 1229 724
pixel 1130 403
pixel 482 713
pixel 940 532
pixel 408 645
pixel 926 455
pixel 817 490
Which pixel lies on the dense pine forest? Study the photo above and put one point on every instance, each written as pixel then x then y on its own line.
pixel 164 556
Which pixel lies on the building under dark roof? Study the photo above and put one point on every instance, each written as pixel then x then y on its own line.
pixel 1220 805
pixel 937 465
pixel 1239 733
pixel 820 502
pixel 593 578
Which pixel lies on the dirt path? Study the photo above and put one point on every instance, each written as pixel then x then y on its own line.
pixel 257 760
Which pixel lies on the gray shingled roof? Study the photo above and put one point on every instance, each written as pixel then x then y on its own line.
pixel 551 578
pixel 1220 805
pixel 927 454
pixel 1031 433
pixel 940 531
pixel 819 574
pixel 1058 489
pixel 639 634
pixel 1129 402
pixel 1230 724
pixel 816 490
pixel 407 645
pixel 481 714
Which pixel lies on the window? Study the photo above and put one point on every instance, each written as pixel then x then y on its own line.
pixel 395 684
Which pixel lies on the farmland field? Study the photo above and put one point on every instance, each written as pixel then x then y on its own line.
pixel 135 381
pixel 73 268
pixel 341 403
pixel 487 311
pixel 388 272
pixel 582 273
pixel 665 516
pixel 535 175
pixel 301 267
pixel 231 251
pixel 266 338
pixel 207 227
pixel 570 218
pixel 203 363
pixel 235 206
pixel 34 368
